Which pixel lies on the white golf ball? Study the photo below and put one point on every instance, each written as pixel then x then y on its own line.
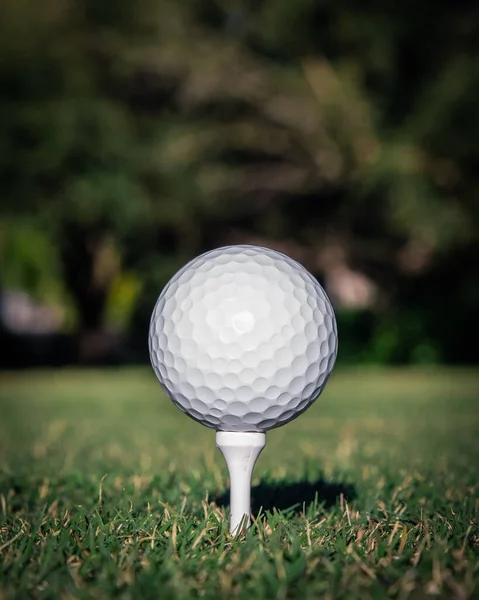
pixel 243 338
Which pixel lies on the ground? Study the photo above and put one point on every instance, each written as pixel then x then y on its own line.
pixel 107 490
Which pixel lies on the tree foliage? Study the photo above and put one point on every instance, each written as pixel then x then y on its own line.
pixel 136 135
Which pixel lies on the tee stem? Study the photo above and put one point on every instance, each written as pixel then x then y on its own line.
pixel 240 451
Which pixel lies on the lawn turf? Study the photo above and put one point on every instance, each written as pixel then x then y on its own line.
pixel 108 491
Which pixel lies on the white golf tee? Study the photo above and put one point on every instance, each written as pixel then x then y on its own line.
pixel 240 451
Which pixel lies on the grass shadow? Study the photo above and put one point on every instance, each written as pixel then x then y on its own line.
pixel 294 497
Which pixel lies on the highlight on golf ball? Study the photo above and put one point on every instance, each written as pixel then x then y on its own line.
pixel 243 339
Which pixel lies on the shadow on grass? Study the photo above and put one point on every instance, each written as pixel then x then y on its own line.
pixel 294 497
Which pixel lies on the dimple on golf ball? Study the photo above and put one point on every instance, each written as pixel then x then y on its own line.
pixel 243 338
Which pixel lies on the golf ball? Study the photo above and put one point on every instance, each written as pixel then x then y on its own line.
pixel 243 338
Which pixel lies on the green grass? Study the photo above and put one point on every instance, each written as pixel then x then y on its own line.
pixel 108 491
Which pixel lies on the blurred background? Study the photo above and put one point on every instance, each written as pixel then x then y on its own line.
pixel 136 135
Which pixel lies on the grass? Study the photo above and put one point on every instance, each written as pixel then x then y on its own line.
pixel 108 491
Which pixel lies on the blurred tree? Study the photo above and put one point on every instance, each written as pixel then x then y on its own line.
pixel 140 134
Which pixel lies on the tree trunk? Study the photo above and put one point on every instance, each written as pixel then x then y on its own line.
pixel 90 265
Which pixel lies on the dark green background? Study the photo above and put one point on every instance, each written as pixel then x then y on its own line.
pixel 135 135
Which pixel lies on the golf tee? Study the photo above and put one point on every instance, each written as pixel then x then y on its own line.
pixel 240 451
